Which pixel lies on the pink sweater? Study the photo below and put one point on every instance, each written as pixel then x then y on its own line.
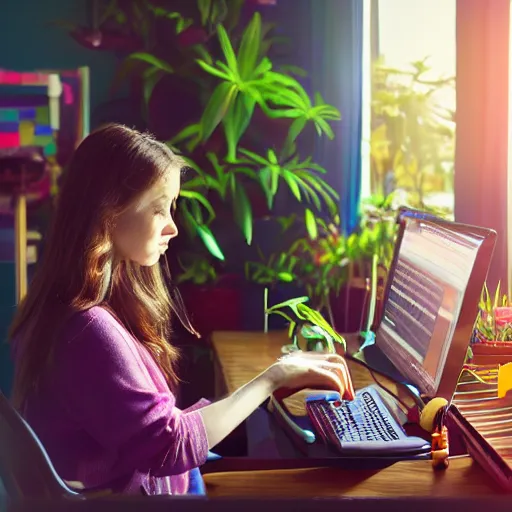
pixel 106 416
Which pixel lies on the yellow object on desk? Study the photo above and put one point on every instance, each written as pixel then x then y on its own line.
pixel 504 379
pixel 429 412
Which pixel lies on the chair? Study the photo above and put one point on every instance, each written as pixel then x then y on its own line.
pixel 25 468
pixel 28 473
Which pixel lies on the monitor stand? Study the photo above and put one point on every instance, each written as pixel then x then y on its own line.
pixel 373 357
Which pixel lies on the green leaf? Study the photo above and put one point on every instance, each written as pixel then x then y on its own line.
pixel 209 241
pixel 284 315
pixel 203 53
pixel 151 59
pixel 308 191
pixel 191 194
pixel 286 277
pixel 263 67
pixel 242 211
pixel 204 8
pixel 296 128
pixel 294 85
pixel 289 303
pixel 227 49
pixel 318 183
pixel 212 70
pixel 254 156
pixel 250 47
pixel 323 125
pixel 311 226
pixel 236 122
pixel 497 295
pixel 220 101
pixel 292 184
pixel 187 132
pixel 287 113
pixel 151 78
pixel 274 169
pixel 265 177
pixel 182 24
pixel 272 157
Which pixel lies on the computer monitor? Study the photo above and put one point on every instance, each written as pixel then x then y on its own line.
pixel 431 300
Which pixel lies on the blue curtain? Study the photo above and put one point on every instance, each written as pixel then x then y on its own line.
pixel 336 52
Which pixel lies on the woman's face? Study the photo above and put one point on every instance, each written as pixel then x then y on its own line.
pixel 142 233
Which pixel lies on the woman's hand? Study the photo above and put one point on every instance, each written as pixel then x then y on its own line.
pixel 288 375
pixel 300 370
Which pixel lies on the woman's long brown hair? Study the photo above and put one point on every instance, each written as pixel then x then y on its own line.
pixel 109 170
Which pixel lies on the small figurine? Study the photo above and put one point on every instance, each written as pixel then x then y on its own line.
pixel 432 420
pixel 440 448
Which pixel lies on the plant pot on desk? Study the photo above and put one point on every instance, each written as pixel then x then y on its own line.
pixel 487 352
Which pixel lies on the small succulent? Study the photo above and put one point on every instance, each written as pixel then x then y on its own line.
pixel 494 320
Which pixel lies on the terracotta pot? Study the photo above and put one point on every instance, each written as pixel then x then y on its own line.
pixel 491 352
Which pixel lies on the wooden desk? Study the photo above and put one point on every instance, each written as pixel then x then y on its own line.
pixel 240 356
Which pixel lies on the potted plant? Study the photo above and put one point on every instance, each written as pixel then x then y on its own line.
pixel 309 324
pixel 492 336
pixel 241 83
pixel 245 83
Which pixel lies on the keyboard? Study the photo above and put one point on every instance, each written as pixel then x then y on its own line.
pixel 363 425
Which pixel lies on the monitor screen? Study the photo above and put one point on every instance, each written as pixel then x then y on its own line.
pixel 426 290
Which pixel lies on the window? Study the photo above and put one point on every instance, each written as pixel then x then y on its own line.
pixel 409 100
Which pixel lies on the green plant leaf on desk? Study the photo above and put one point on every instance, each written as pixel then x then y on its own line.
pixel 316 318
pixel 304 314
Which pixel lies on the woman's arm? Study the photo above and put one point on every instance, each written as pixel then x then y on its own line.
pixel 106 388
pixel 222 417
pixel 294 373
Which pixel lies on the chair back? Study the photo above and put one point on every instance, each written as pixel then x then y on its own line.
pixel 25 468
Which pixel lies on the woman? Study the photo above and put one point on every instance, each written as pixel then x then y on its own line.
pixel 94 369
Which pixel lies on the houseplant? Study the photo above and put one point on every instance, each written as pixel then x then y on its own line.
pixel 311 261
pixel 243 82
pixel 309 323
pixel 492 336
pixel 205 81
pixel 243 85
